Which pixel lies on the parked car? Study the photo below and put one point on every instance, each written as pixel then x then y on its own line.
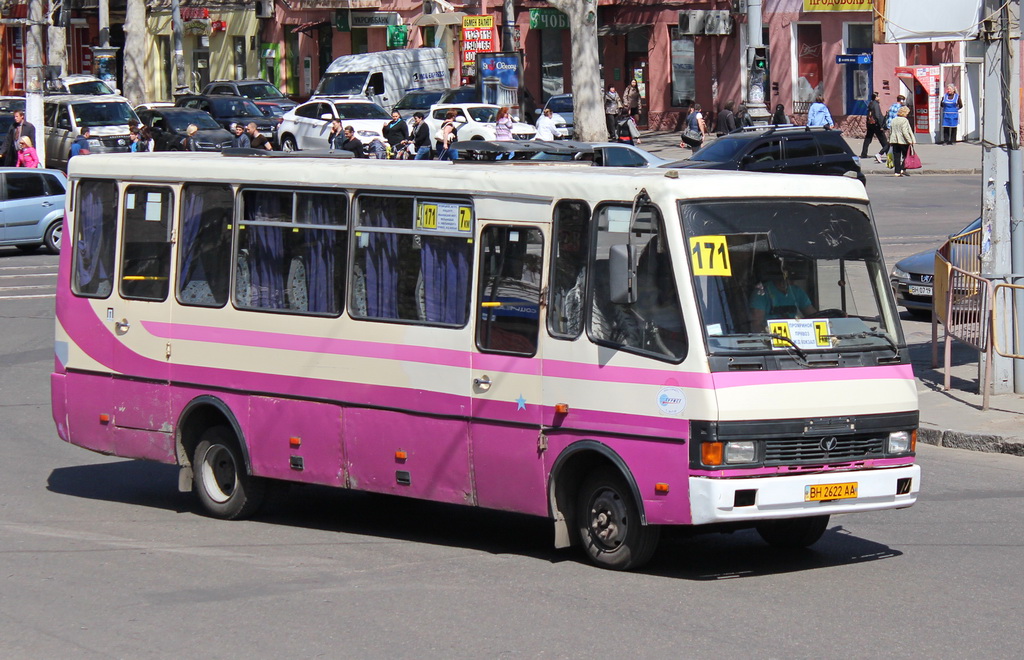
pixel 64 117
pixel 561 104
pixel 169 126
pixel 271 110
pixel 418 101
pixel 309 125
pixel 79 83
pixel 254 89
pixel 32 208
pixel 228 110
pixel 605 154
pixel 912 278
pixel 464 94
pixel 479 121
pixel 8 104
pixel 792 149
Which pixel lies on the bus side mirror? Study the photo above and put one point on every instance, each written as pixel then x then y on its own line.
pixel 621 274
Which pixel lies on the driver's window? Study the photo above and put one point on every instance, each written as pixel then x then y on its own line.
pixel 768 151
pixel 64 119
pixel 376 84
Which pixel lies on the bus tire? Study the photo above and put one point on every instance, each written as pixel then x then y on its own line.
pixel 220 480
pixel 793 532
pixel 608 521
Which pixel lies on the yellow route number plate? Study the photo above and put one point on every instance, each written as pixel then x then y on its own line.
pixel 822 492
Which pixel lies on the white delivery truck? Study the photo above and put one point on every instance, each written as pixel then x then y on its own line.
pixel 385 76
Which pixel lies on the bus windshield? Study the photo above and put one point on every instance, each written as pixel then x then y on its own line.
pixel 789 277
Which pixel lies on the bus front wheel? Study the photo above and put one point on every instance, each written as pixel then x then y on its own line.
pixel 608 521
pixel 223 487
pixel 793 532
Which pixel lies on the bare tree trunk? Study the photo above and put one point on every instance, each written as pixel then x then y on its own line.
pixel 135 52
pixel 588 109
pixel 56 40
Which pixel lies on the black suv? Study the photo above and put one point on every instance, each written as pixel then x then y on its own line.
pixel 791 149
pixel 228 110
pixel 254 88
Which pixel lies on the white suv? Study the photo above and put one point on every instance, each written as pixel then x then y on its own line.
pixel 106 116
pixel 308 126
pixel 479 121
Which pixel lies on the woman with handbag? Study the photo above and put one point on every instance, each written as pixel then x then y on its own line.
pixel 901 137
pixel 693 134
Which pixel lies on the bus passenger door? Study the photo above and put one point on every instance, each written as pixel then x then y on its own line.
pixel 139 313
pixel 506 371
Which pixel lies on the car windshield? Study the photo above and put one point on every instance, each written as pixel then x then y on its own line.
pixel 482 114
pixel 10 105
pixel 179 121
pixel 342 84
pixel 778 277
pixel 361 111
pixel 418 100
pixel 108 113
pixel 721 150
pixel 89 87
pixel 260 90
pixel 560 104
pixel 234 108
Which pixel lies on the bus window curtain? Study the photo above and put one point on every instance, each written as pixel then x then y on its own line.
pixel 94 264
pixel 266 250
pixel 445 272
pixel 321 254
pixel 191 222
pixel 382 275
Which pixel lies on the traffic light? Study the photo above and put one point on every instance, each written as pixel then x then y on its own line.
pixel 760 61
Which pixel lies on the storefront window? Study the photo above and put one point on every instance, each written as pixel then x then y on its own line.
pixel 809 66
pixel 551 77
pixel 684 81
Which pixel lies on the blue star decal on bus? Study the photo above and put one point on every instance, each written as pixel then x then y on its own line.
pixel 520 403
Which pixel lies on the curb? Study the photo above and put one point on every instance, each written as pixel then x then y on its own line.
pixel 976 172
pixel 992 444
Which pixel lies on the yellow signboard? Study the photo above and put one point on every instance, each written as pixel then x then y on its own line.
pixel 838 5
pixel 709 255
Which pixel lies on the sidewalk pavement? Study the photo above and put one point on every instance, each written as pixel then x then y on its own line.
pixel 951 418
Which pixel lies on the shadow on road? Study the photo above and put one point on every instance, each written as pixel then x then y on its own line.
pixel 681 555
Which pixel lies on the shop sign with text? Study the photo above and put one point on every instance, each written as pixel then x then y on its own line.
pixel 838 5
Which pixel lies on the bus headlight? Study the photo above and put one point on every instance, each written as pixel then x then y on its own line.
pixel 740 452
pixel 902 442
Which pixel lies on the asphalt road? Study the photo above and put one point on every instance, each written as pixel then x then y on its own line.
pixel 103 558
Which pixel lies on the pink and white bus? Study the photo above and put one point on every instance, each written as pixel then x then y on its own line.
pixel 617 350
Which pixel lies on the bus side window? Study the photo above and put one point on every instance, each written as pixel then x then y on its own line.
pixel 568 269
pixel 146 233
pixel 95 232
pixel 204 269
pixel 653 324
pixel 508 302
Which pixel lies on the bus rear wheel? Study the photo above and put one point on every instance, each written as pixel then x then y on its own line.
pixel 793 532
pixel 219 477
pixel 608 521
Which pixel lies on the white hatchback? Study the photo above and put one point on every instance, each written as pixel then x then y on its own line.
pixel 479 121
pixel 308 126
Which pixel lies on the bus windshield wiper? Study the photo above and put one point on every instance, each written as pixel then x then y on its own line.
pixel 870 333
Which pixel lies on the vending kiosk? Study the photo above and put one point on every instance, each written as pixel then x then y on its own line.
pixel 925 82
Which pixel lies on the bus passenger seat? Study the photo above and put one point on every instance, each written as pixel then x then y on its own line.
pixel 296 293
pixel 243 290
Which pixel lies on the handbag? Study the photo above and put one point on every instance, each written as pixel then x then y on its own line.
pixel 691 134
pixel 912 161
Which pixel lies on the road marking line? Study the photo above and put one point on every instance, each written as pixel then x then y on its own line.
pixel 34 295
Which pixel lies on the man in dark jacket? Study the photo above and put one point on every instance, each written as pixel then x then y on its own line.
pixel 420 136
pixel 876 128
pixel 19 129
pixel 726 120
pixel 352 143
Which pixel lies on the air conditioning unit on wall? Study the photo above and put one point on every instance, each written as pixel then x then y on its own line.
pixel 264 8
pixel 691 21
pixel 718 22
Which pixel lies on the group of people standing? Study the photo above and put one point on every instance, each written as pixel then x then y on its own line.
pixel 18 148
pixel 622 113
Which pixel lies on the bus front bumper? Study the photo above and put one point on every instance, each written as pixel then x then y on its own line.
pixel 763 498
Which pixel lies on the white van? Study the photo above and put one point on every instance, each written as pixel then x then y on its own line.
pixel 385 77
pixel 107 116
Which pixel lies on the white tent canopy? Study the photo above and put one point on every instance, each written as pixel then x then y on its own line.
pixel 909 21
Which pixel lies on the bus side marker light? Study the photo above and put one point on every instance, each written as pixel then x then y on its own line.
pixel 562 408
pixel 401 456
pixel 661 488
pixel 104 418
pixel 711 453
pixel 294 441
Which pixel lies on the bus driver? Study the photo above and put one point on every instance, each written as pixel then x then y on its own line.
pixel 775 296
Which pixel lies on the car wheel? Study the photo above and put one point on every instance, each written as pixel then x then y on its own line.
pixel 52 237
pixel 288 144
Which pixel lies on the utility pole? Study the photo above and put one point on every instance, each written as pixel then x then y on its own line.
pixel 34 76
pixel 508 34
pixel 757 65
pixel 179 50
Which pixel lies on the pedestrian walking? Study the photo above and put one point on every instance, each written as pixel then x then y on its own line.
pixel 420 137
pixel 951 105
pixel 80 147
pixel 726 120
pixel 693 134
pixel 546 129
pixel 20 127
pixel 27 156
pixel 626 131
pixel 743 118
pixel 901 136
pixel 396 132
pixel 901 101
pixel 875 121
pixel 612 104
pixel 818 114
pixel 780 117
pixel 631 99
